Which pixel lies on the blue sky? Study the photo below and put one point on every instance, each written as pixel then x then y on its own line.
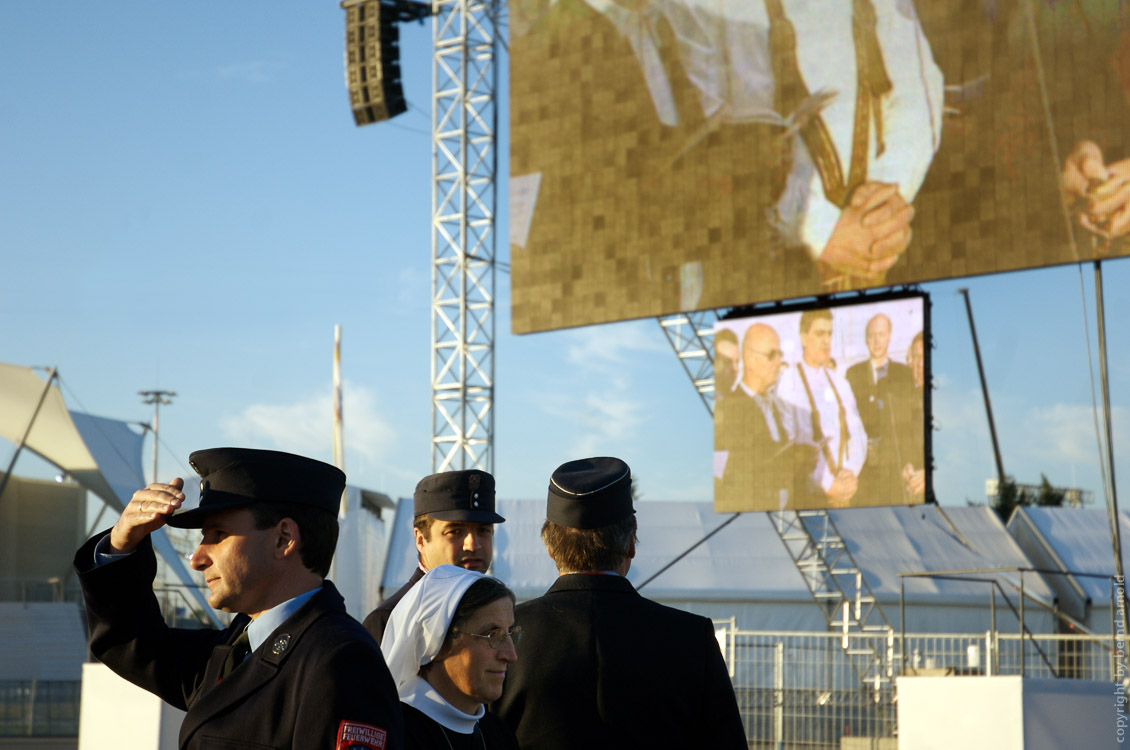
pixel 185 204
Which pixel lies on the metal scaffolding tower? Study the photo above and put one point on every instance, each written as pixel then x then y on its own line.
pixel 464 165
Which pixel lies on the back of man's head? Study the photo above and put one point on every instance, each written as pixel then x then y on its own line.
pixel 587 550
pixel 590 523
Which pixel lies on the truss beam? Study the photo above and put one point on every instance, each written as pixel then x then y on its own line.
pixel 464 167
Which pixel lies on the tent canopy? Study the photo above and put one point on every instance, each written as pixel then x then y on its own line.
pixel 101 454
pixel 745 571
pixel 1074 540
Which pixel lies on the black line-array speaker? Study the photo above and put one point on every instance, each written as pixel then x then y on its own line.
pixel 372 61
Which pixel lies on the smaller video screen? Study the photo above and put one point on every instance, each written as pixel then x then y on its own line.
pixel 823 407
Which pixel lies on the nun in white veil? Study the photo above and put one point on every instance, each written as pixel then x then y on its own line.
pixel 448 644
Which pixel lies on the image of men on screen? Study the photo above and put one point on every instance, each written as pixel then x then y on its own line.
pixel 756 433
pixel 854 91
pixel 911 436
pixel 884 392
pixel 828 410
pixel 833 425
pixel 692 154
pixel 727 359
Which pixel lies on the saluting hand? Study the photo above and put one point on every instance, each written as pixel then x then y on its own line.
pixel 148 510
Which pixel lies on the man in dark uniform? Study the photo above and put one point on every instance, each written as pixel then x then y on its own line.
pixel 294 670
pixel 600 666
pixel 454 525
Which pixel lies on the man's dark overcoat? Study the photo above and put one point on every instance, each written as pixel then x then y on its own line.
pixel 885 410
pixel 317 670
pixel 600 666
pixel 376 620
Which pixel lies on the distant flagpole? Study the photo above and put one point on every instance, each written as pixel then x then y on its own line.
pixel 339 431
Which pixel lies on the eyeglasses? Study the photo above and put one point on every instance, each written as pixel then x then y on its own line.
pixel 497 637
pixel 770 355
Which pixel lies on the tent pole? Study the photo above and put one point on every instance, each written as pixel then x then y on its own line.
pixel 27 432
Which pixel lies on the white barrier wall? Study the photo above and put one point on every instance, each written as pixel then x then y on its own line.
pixel 118 715
pixel 1009 713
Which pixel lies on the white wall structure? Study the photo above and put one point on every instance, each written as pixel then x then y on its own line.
pixel 118 715
pixel 1007 713
pixel 362 548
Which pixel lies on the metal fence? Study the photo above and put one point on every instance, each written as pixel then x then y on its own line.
pixel 802 690
pixel 35 708
pixel 795 690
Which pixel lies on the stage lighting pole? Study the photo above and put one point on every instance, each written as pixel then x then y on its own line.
pixel 156 398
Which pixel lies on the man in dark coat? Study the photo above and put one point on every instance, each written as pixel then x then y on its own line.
pixel 760 464
pixel 599 665
pixel 454 525
pixel 883 391
pixel 294 670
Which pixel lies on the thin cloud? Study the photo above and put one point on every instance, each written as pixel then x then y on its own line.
pixel 605 418
pixel 250 72
pixel 1066 433
pixel 610 345
pixel 306 426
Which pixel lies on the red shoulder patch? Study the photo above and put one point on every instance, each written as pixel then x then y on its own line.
pixel 353 735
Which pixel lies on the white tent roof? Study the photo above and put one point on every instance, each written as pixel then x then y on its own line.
pixel 1076 540
pixel 746 564
pixel 103 455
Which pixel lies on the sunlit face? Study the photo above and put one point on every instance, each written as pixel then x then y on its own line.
pixel 878 337
pixel 238 561
pixel 761 358
pixel 817 343
pixel 471 672
pixel 463 543
pixel 917 361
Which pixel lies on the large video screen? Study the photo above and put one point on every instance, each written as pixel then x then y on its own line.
pixel 822 407
pixel 672 155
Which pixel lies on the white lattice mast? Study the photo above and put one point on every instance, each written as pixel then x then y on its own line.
pixel 464 163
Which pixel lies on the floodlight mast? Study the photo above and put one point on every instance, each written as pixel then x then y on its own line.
pixel 156 398
pixel 464 166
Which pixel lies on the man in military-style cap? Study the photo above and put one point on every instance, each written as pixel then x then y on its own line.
pixel 294 670
pixel 602 667
pixel 454 525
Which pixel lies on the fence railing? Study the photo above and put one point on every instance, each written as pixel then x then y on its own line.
pixel 799 690
pixel 795 690
pixel 37 708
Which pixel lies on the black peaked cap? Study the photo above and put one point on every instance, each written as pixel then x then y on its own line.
pixel 590 493
pixel 236 477
pixel 465 495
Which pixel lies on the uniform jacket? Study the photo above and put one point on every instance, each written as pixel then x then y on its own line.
pixel 376 620
pixel 319 671
pixel 600 666
pixel 424 733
